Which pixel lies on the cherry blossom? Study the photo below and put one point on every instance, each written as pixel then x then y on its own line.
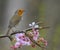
pixel 23 40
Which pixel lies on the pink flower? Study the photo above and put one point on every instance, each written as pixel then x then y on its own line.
pixel 45 44
pixel 43 40
pixel 36 34
pixel 17 44
pixel 23 40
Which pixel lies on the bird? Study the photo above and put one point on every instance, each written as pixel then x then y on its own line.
pixel 16 18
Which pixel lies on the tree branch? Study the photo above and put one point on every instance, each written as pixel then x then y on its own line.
pixel 24 31
pixel 3 36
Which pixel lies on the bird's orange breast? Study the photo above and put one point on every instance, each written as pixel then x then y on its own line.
pixel 20 12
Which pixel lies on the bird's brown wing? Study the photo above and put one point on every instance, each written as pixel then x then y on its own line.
pixel 14 21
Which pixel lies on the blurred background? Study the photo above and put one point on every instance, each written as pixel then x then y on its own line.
pixel 47 11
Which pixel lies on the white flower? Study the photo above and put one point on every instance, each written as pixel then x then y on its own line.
pixel 36 26
pixel 30 25
pixel 33 24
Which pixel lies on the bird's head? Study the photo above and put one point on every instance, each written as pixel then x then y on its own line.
pixel 19 12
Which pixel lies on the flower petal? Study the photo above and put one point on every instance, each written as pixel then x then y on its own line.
pixel 33 23
pixel 30 25
pixel 36 26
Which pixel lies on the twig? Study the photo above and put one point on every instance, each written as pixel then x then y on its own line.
pixel 44 27
pixel 28 29
pixel 3 36
pixel 17 32
pixel 25 31
pixel 39 22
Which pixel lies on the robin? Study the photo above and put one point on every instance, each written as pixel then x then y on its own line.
pixel 16 18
